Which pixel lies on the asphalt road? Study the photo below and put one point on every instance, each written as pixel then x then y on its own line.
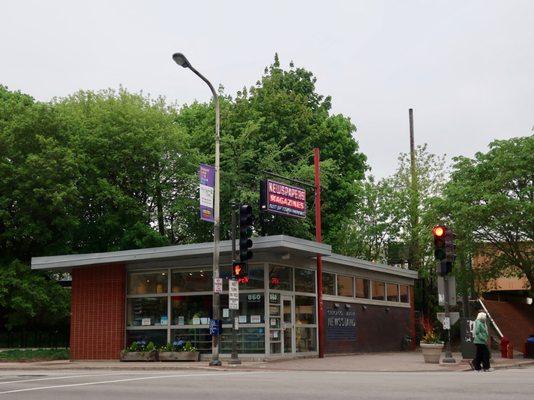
pixel 513 384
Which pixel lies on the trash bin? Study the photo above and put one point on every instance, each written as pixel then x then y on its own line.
pixel 529 347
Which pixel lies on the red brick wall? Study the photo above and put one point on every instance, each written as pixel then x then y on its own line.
pixel 97 312
pixel 376 329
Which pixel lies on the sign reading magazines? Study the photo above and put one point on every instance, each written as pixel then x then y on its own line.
pixel 206 174
pixel 279 198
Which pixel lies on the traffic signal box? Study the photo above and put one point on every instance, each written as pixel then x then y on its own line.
pixel 444 249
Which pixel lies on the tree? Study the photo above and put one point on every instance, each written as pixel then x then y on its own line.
pixel 490 201
pixel 274 126
pixel 377 222
pixel 133 161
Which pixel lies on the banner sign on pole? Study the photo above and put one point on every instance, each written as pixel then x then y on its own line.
pixel 233 294
pixel 282 199
pixel 206 174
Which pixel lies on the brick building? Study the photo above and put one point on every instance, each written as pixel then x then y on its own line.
pixel 163 294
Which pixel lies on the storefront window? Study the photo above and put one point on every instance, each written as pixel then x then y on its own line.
pixel 255 278
pixel 329 283
pixel 147 311
pixel 191 310
pixel 147 282
pixel 362 288
pixel 158 337
pixel 304 280
pixel 197 280
pixel 345 286
pixel 392 292
pixel 304 310
pixel 306 339
pixel 280 278
pixel 249 341
pixel 200 338
pixel 404 298
pixel 379 291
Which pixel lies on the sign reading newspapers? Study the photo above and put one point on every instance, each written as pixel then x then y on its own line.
pixel 282 199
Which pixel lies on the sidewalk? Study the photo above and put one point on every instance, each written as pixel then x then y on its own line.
pixel 375 362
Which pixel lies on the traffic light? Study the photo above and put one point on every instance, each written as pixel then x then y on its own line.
pixel 239 270
pixel 450 247
pixel 439 233
pixel 246 219
pixel 444 249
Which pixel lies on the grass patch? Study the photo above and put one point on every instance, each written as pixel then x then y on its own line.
pixel 34 355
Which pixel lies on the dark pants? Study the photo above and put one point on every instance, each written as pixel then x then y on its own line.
pixel 482 356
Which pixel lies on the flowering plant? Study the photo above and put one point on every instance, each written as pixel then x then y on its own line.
pixel 430 336
pixel 141 345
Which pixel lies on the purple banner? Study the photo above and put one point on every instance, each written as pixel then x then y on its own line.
pixel 206 174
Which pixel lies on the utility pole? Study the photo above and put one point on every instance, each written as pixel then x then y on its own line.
pixel 319 239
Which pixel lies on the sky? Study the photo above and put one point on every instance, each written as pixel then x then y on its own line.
pixel 466 67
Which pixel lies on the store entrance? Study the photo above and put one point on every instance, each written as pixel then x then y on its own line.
pixel 281 324
pixel 288 325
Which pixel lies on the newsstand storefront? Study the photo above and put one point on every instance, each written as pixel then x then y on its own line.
pixel 165 294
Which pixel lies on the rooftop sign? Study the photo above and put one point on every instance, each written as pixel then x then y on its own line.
pixel 282 199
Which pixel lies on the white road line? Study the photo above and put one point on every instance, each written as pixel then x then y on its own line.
pixel 125 380
pixel 49 378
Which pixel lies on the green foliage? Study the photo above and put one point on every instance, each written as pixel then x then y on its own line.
pixel 274 126
pixel 34 355
pixel 188 347
pixel 490 204
pixel 141 346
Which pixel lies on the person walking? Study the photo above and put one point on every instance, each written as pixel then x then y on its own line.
pixel 481 342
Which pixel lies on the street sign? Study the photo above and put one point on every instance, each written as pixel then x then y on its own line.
pixel 452 290
pixel 217 285
pixel 215 327
pixel 233 294
pixel 453 318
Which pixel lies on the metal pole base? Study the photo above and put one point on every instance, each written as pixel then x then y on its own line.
pixel 448 359
pixel 215 363
pixel 234 361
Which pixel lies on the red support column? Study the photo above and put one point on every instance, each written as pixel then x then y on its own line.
pixel 319 238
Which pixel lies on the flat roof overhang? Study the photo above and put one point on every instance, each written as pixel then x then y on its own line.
pixel 264 244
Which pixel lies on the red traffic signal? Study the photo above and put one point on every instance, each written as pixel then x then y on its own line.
pixel 439 231
pixel 239 270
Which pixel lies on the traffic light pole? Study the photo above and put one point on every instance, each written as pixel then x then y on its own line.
pixel 449 359
pixel 234 360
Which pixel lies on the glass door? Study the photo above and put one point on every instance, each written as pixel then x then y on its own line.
pixel 288 325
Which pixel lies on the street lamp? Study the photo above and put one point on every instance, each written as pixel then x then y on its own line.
pixel 182 61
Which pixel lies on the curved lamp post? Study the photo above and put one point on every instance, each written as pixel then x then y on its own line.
pixel 182 61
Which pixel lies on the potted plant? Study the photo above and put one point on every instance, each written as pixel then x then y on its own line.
pixel 140 351
pixel 178 351
pixel 431 345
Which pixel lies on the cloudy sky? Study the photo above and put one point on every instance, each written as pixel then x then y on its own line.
pixel 466 67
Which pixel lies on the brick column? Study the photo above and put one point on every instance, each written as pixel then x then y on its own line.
pixel 97 312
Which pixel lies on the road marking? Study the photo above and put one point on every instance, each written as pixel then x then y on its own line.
pixel 63 377
pixel 125 380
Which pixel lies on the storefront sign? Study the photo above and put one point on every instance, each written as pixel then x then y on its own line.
pixel 340 324
pixel 282 199
pixel 233 294
pixel 206 174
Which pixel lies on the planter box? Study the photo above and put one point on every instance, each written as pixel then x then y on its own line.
pixel 179 356
pixel 432 352
pixel 139 355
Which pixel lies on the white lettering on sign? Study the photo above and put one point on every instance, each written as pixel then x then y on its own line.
pixel 217 285
pixel 233 295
